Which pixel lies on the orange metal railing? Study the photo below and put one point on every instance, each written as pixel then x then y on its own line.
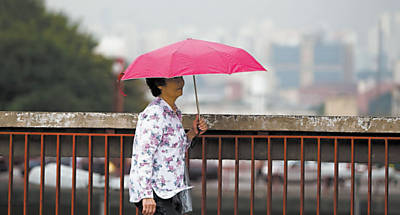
pixel 204 139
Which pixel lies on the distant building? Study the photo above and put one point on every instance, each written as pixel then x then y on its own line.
pixel 234 91
pixel 317 94
pixel 341 106
pixel 313 62
pixel 333 62
pixel 396 91
pixel 381 105
pixel 286 62
pixel 396 101
pixel 389 28
pixel 376 101
pixel 396 72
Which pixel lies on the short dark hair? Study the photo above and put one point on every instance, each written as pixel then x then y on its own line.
pixel 153 84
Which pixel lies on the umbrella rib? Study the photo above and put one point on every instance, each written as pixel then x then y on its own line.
pixel 173 54
pixel 219 54
pixel 170 63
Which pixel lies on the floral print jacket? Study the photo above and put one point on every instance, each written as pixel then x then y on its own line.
pixel 158 153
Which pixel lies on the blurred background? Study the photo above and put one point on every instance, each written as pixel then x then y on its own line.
pixel 323 57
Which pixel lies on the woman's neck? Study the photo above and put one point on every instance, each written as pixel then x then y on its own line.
pixel 170 101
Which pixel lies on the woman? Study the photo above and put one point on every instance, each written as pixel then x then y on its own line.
pixel 158 152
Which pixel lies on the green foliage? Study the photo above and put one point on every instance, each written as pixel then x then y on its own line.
pixel 131 89
pixel 47 64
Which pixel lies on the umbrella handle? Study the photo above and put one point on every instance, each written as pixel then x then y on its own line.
pixel 195 93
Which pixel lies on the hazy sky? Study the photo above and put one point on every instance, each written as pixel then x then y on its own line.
pixel 205 14
pixel 111 20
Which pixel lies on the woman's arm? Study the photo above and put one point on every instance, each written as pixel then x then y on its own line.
pixel 148 136
pixel 191 135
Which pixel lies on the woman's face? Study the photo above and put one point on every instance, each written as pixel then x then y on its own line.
pixel 173 87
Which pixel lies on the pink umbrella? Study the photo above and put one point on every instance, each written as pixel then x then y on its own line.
pixel 191 57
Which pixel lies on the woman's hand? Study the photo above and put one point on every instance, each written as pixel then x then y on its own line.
pixel 149 206
pixel 199 124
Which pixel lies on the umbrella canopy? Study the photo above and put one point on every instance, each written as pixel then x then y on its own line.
pixel 191 57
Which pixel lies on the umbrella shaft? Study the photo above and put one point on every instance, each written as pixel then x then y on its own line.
pixel 195 93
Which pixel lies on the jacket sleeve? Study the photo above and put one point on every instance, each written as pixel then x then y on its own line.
pixel 148 137
pixel 188 143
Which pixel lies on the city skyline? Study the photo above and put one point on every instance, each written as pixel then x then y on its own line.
pixel 129 28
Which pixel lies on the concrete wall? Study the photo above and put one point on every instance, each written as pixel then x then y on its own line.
pixel 125 123
pixel 81 120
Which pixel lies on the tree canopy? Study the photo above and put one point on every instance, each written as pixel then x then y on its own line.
pixel 48 64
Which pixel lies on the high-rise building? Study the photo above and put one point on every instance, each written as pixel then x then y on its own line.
pixel 286 62
pixel 333 62
pixel 313 61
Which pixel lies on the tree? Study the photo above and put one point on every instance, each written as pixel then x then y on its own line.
pixel 47 64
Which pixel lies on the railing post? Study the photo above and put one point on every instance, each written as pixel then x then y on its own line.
pixel 10 175
pixel 121 176
pixel 236 197
pixel 26 176
pixel 42 173
pixel 203 178
pixel 73 191
pixel 219 176
pixel 58 175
